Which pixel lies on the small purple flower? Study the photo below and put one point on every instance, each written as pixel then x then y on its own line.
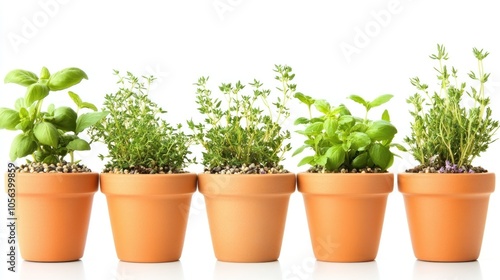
pixel 448 164
pixel 471 171
pixel 441 170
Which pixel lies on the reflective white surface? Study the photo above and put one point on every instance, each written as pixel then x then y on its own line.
pixel 437 271
pixel 247 271
pixel 55 271
pixel 362 270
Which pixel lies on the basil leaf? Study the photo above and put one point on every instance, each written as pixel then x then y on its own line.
pixel 381 155
pixel 21 77
pixel 9 119
pixel 89 119
pixel 78 145
pixel 35 92
pixel 47 134
pixel 381 130
pixel 66 78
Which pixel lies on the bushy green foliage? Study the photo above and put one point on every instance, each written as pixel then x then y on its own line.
pixel 248 127
pixel 49 136
pixel 451 124
pixel 135 134
pixel 342 141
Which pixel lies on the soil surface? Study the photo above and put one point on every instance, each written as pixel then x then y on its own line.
pixel 142 170
pixel 320 169
pixel 62 167
pixel 246 169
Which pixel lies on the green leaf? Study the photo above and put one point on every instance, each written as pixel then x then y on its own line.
pixel 51 159
pixel 341 110
pixel 76 98
pixel 381 130
pixel 19 104
pixel 24 124
pixel 314 129
pixel 88 106
pixel 322 160
pixel 304 98
pixel 21 146
pixel 66 78
pixel 345 119
pixel 23 113
pixel 346 146
pixel 361 127
pixel 65 118
pixel 322 105
pixel 315 120
pixel 360 161
pixel 35 92
pixel 78 145
pixel 44 74
pixel 359 140
pixel 299 150
pixel 21 77
pixel 381 155
pixel 318 139
pixel 89 119
pixel 9 119
pixel 358 99
pixel 330 126
pixel 301 120
pixel 50 109
pixel 47 134
pixel 385 116
pixel 399 147
pixel 336 156
pixel 306 160
pixel 380 100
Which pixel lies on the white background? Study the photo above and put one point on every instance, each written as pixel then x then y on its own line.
pixel 229 40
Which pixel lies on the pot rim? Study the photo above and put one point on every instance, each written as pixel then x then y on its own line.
pixel 437 183
pixel 147 184
pixel 66 183
pixel 54 174
pixel 345 183
pixel 236 184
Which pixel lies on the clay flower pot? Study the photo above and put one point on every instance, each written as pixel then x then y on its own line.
pixel 345 213
pixel 148 214
pixel 53 213
pixel 446 213
pixel 247 214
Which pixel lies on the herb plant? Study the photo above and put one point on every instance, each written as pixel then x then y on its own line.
pixel 246 133
pixel 48 136
pixel 344 143
pixel 138 140
pixel 451 126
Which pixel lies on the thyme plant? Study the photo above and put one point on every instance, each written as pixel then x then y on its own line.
pixel 247 129
pixel 138 140
pixel 452 125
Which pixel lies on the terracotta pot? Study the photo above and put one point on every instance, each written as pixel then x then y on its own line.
pixel 345 213
pixel 446 213
pixel 53 213
pixel 148 214
pixel 247 214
